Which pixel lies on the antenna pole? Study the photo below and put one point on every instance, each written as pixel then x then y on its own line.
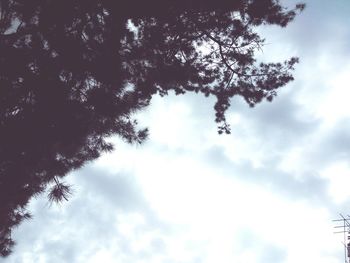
pixel 346 233
pixel 345 245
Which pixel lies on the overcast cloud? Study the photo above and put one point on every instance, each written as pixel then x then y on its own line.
pixel 266 193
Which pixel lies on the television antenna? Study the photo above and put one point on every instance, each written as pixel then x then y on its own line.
pixel 343 227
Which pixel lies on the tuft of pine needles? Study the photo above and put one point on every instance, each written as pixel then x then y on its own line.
pixel 59 192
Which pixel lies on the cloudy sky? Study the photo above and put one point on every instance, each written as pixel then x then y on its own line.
pixel 266 193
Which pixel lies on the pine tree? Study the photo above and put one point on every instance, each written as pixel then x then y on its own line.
pixel 73 72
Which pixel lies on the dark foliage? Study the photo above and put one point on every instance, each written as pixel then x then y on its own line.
pixel 73 72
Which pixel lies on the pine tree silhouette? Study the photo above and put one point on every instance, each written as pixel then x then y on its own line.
pixel 72 73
